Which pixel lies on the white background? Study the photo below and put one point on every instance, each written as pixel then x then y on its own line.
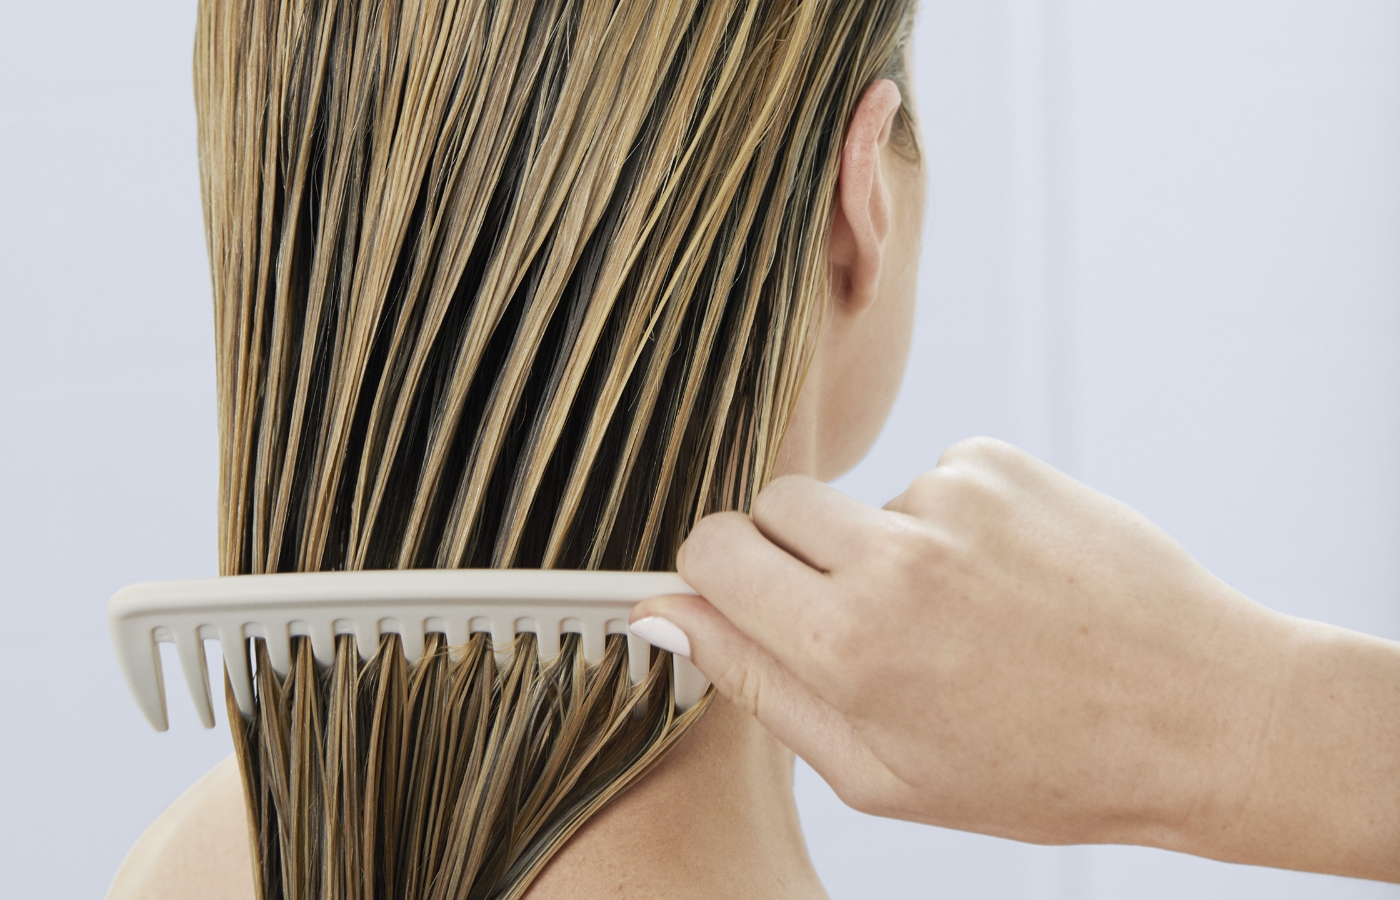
pixel 1163 253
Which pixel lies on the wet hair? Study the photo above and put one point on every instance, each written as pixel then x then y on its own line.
pixel 521 283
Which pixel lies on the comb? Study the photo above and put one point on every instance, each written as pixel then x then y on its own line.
pixel 411 603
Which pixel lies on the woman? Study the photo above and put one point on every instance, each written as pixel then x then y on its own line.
pixel 540 285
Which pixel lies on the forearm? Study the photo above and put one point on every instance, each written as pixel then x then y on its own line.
pixel 1320 789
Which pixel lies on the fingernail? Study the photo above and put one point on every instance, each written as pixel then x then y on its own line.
pixel 662 633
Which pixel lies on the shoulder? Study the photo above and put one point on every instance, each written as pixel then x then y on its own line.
pixel 197 848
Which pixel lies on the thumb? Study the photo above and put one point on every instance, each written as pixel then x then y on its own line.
pixel 751 678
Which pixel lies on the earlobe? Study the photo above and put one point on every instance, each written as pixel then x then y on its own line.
pixel 861 222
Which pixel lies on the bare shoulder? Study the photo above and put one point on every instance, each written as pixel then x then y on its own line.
pixel 197 848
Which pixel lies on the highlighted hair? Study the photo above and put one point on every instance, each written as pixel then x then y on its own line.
pixel 521 283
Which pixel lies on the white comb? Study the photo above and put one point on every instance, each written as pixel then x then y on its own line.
pixel 411 603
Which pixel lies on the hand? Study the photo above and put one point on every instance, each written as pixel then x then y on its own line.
pixel 1004 650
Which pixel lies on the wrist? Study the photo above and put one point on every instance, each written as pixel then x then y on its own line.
pixel 1245 675
pixel 1335 750
pixel 1311 778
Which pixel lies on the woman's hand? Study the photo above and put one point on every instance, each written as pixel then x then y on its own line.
pixel 1003 650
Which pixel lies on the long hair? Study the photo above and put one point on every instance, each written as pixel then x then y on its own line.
pixel 498 283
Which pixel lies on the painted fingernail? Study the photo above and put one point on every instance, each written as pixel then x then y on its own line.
pixel 662 633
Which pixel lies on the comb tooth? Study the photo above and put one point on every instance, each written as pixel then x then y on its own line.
pixel 592 642
pixel 236 663
pixel 322 634
pixel 367 634
pixel 547 639
pixel 500 639
pixel 690 684
pixel 412 636
pixel 279 647
pixel 191 651
pixel 638 658
pixel 139 655
pixel 457 631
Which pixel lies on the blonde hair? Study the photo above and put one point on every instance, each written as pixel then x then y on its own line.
pixel 499 284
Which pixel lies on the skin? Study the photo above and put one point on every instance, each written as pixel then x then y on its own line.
pixel 1004 650
pixel 717 817
pixel 198 847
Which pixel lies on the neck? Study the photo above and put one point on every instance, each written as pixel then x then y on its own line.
pixel 715 819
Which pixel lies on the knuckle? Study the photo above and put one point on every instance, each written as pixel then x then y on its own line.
pixel 927 483
pixel 937 487
pixel 779 496
pixel 952 496
pixel 852 791
pixel 976 451
pixel 962 487
pixel 709 534
pixel 921 495
pixel 864 792
pixel 859 796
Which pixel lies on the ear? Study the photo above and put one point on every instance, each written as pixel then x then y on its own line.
pixel 862 217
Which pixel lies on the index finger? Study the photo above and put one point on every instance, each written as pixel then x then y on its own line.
pixel 781 603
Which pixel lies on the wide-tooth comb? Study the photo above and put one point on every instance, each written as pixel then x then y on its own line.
pixel 412 603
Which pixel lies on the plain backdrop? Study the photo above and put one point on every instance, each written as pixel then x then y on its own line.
pixel 1163 253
